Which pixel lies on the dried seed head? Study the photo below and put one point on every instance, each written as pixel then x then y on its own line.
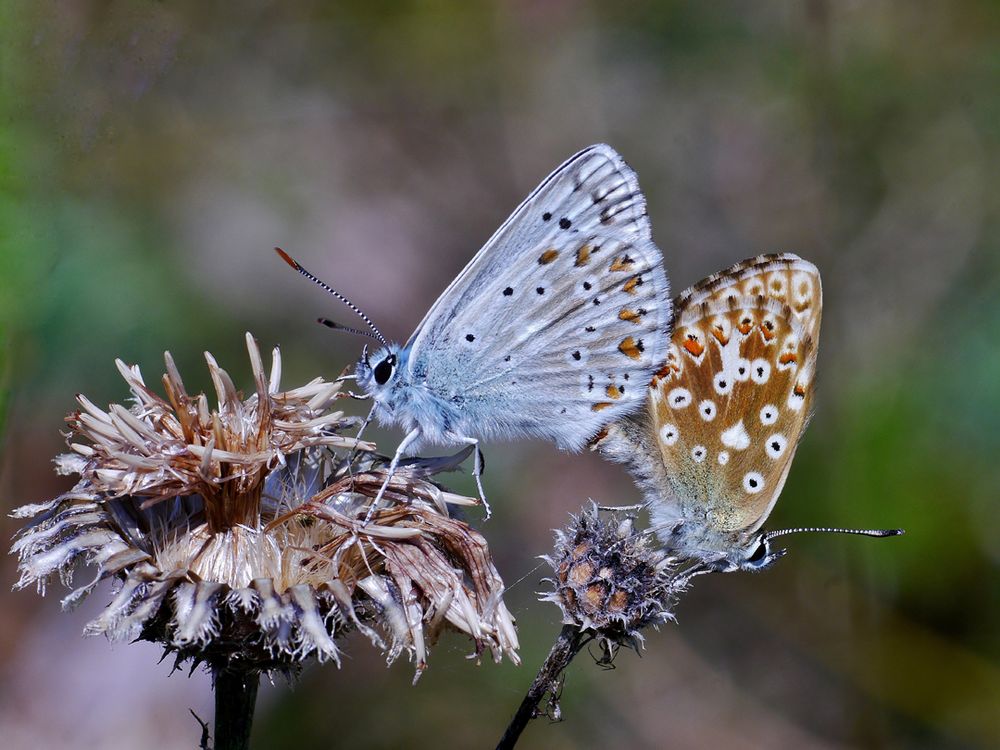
pixel 236 532
pixel 610 580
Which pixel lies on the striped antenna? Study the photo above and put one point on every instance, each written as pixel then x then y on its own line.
pixel 345 329
pixel 298 267
pixel 821 530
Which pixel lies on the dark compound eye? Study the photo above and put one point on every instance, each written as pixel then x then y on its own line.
pixel 758 554
pixel 384 369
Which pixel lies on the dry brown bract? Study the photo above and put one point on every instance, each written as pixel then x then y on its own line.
pixel 237 535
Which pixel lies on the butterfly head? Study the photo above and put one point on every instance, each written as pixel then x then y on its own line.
pixel 723 553
pixel 754 556
pixel 376 372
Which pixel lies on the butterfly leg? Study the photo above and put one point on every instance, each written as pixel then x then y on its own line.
pixel 478 466
pixel 411 436
pixel 354 452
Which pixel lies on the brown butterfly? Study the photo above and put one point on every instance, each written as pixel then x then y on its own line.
pixel 712 450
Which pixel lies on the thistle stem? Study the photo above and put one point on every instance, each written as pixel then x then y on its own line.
pixel 235 700
pixel 567 645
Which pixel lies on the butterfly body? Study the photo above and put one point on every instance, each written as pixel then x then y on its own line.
pixel 712 450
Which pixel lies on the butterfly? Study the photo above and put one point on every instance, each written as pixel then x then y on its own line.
pixel 552 331
pixel 724 416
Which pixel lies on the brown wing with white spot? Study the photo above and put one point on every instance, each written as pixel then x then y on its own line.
pixel 733 399
pixel 781 276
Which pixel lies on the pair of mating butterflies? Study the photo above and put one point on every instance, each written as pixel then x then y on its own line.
pixel 560 328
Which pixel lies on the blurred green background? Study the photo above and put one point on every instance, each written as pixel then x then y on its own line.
pixel 152 153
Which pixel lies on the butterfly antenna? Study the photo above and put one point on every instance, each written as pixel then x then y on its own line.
pixel 821 530
pixel 298 267
pixel 345 329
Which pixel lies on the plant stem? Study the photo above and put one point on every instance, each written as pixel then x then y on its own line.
pixel 567 645
pixel 235 700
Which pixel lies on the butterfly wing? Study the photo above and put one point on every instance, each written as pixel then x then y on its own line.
pixel 556 325
pixel 726 412
pixel 781 276
pixel 592 190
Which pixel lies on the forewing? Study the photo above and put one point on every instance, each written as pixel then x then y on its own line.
pixel 732 402
pixel 593 192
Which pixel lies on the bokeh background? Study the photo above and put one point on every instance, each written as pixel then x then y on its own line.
pixel 152 153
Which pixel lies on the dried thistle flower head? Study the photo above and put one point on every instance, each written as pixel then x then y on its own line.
pixel 611 581
pixel 236 530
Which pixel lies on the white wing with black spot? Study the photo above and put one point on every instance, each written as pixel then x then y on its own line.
pixel 592 191
pixel 557 325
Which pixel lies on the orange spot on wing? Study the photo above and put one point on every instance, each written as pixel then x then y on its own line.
pixel 694 347
pixel 548 256
pixel 600 406
pixel 630 285
pixel 767 330
pixel 614 392
pixel 799 390
pixel 720 335
pixel 622 263
pixel 603 433
pixel 583 255
pixel 745 326
pixel 630 348
pixel 664 372
pixel 788 357
pixel 630 315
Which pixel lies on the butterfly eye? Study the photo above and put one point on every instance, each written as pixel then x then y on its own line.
pixel 384 369
pixel 760 553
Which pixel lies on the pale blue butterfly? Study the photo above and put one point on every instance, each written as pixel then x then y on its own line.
pixel 553 330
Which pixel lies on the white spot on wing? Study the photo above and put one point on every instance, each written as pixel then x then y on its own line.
pixel 736 437
pixel 723 458
pixel 698 453
pixel 760 371
pixel 742 369
pixel 795 401
pixel 669 434
pixel 679 398
pixel 753 482
pixel 776 445
pixel 769 414
pixel 707 410
pixel 776 284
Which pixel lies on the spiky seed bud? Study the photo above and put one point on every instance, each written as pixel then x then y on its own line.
pixel 610 580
